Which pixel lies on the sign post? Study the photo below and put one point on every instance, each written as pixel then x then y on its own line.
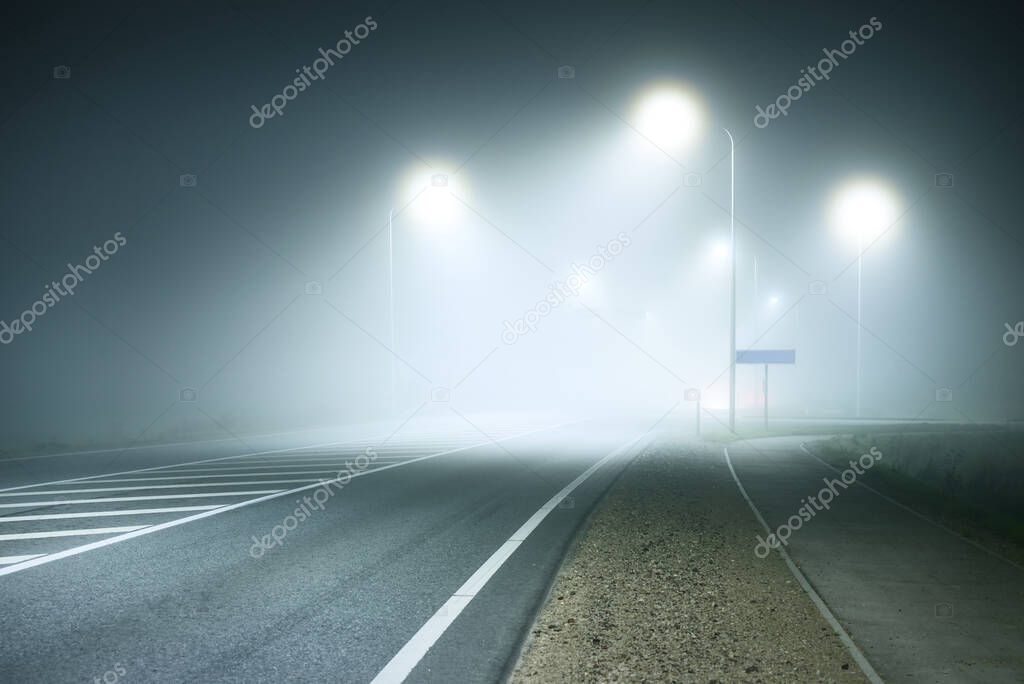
pixel 766 357
pixel 693 395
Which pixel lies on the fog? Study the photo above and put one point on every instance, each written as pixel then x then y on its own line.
pixel 258 298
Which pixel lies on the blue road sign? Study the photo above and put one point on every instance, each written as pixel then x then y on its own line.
pixel 765 356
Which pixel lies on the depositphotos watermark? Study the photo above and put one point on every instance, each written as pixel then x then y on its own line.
pixel 309 503
pixel 559 291
pixel 812 76
pixel 1013 334
pixel 813 504
pixel 307 74
pixel 68 282
pixel 111 676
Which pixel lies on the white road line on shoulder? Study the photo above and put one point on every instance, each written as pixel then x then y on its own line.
pixel 66 553
pixel 403 662
pixel 71 533
pixel 104 514
pixel 8 560
pixel 112 499
pixel 855 652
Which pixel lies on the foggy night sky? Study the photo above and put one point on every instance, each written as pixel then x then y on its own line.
pixel 208 292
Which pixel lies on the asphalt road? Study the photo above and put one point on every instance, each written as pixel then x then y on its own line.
pixel 184 580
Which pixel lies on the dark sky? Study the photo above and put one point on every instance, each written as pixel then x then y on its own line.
pixel 209 290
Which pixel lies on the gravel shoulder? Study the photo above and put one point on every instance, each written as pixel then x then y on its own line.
pixel 664 586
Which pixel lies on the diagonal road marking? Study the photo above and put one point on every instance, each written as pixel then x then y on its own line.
pixel 109 541
pixel 103 514
pixel 70 533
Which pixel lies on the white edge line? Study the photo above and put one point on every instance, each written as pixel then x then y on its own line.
pixel 908 509
pixel 409 656
pixel 66 553
pixel 855 652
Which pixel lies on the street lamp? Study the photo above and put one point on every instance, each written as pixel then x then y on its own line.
pixel 432 204
pixel 671 117
pixel 863 210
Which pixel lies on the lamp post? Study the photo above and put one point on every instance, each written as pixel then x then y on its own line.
pixel 864 209
pixel 732 282
pixel 671 117
pixel 391 304
pixel 432 205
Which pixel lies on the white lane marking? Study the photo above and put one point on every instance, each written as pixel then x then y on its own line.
pixel 71 533
pixel 8 560
pixel 163 445
pixel 816 599
pixel 163 486
pixel 176 465
pixel 403 662
pixel 355 443
pixel 327 466
pixel 112 499
pixel 210 477
pixel 326 458
pixel 332 456
pixel 103 514
pixel 74 551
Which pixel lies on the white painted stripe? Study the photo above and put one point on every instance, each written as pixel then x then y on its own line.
pixel 322 460
pixel 67 553
pixel 403 662
pixel 351 443
pixel 826 613
pixel 306 464
pixel 210 477
pixel 270 466
pixel 70 533
pixel 112 499
pixel 278 466
pixel 102 514
pixel 163 486
pixel 9 560
pixel 332 456
pixel 165 445
pixel 173 465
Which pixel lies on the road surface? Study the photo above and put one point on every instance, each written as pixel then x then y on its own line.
pixel 198 567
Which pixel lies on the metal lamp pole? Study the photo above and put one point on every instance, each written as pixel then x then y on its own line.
pixel 732 286
pixel 391 303
pixel 860 262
